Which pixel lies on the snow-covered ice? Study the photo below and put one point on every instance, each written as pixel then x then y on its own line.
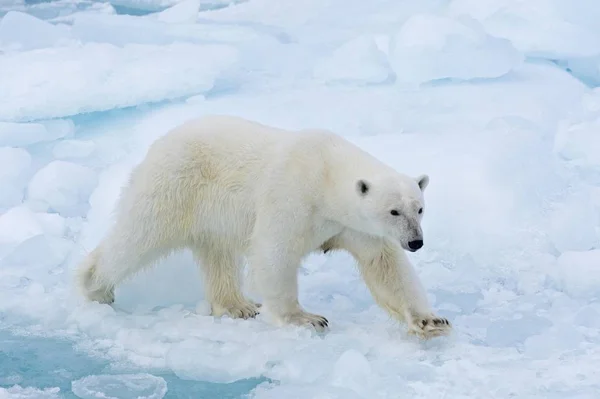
pixel 14 164
pixel 62 187
pixel 25 134
pixel 65 81
pixel 430 47
pixel 497 100
pixel 22 31
pixel 357 61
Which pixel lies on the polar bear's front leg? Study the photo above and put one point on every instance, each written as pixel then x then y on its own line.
pixel 274 259
pixel 394 284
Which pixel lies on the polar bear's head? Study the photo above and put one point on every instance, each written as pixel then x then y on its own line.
pixel 393 206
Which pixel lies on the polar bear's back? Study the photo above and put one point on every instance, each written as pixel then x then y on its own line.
pixel 207 174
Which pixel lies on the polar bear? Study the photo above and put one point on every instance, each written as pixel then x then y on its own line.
pixel 228 188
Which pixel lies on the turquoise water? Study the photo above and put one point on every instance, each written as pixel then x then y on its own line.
pixel 44 363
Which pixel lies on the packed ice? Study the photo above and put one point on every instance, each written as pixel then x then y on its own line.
pixel 497 100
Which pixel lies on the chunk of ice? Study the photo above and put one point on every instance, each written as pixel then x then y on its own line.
pixel 21 31
pixel 62 187
pixel 352 370
pixel 17 225
pixel 580 144
pixel 525 24
pixel 185 12
pixel 430 47
pixel 356 61
pixel 25 134
pixel 38 255
pixel 106 386
pixel 99 77
pixel 573 224
pixel 579 273
pixel 14 162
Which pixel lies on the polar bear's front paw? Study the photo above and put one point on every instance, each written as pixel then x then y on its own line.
pixel 237 310
pixel 300 318
pixel 429 326
pixel 103 296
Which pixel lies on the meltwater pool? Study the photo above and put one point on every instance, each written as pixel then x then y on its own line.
pixel 43 363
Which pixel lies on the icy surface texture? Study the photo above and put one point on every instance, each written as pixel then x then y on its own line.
pixel 495 99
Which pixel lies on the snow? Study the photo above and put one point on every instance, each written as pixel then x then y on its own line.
pixel 497 100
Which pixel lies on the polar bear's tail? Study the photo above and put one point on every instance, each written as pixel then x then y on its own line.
pixel 88 281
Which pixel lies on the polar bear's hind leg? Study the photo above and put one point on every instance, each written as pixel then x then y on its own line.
pixel 222 268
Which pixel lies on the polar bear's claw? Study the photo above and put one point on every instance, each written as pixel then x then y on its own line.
pixel 430 326
pixel 320 323
pixel 242 310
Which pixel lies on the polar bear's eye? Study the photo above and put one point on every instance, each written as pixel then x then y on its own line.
pixel 420 211
pixel 394 212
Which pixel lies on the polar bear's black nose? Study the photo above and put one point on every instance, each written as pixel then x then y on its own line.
pixel 416 244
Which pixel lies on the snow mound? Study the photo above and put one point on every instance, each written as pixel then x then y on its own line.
pixel 429 47
pixel 185 12
pixel 21 31
pixel 99 77
pixel 139 386
pixel 357 61
pixel 579 273
pixel 62 187
pixel 25 134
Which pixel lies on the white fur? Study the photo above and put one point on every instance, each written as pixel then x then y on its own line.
pixel 228 188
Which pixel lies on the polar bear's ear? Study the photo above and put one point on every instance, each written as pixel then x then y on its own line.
pixel 362 187
pixel 423 182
